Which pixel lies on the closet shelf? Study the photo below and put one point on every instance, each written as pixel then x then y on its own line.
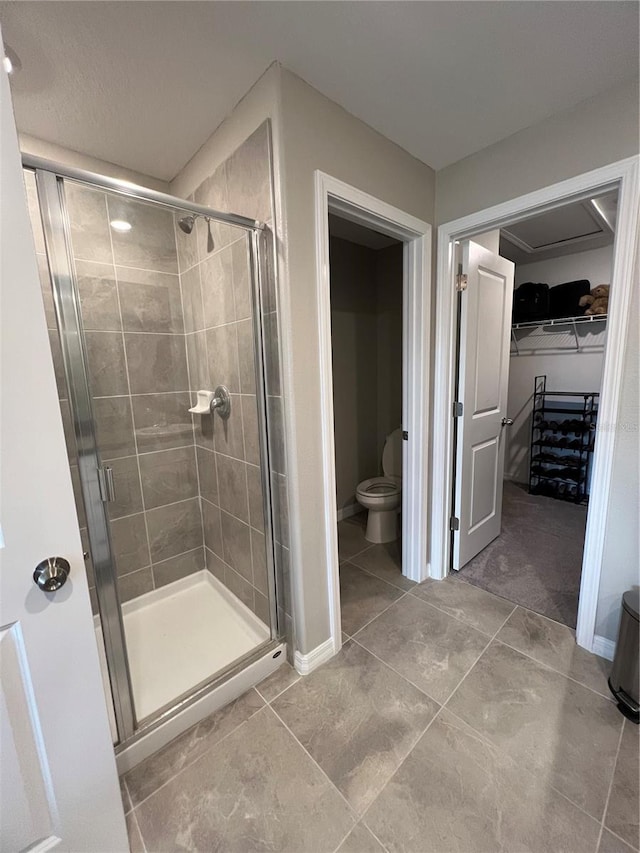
pixel 551 328
pixel 564 321
pixel 554 474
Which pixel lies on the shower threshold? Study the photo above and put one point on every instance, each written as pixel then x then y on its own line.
pixel 181 635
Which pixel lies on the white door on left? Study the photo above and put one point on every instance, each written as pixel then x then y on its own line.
pixel 483 383
pixel 58 781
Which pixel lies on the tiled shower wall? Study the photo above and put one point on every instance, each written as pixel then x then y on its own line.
pixel 132 315
pixel 163 318
pixel 233 517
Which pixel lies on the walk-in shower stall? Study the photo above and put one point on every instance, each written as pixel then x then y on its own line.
pixel 150 300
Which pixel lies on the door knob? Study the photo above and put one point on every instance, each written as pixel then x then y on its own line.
pixel 507 422
pixel 51 573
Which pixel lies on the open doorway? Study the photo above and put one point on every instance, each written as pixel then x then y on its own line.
pixel 622 177
pixel 336 199
pixel 366 284
pixel 529 379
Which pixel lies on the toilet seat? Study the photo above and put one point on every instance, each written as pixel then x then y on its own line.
pixel 382 496
pixel 379 487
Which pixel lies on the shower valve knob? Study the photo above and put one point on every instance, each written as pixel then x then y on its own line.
pixel 51 573
pixel 221 402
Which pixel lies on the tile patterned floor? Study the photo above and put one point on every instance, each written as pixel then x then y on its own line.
pixel 452 720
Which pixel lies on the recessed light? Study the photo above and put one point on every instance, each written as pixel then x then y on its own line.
pixel 120 225
pixel 10 61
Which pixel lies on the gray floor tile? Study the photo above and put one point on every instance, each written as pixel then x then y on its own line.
pixel 358 719
pixel 135 839
pixel 255 790
pixel 351 536
pixel 555 644
pixel 384 561
pixel 470 604
pixel 163 765
pixel 559 729
pixel 126 799
pixel 431 649
pixel 458 792
pixel 360 840
pixel 278 681
pixel 362 597
pixel 624 803
pixel 610 843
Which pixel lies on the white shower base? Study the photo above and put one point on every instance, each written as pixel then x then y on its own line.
pixel 181 635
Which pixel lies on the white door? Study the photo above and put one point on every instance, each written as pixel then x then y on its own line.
pixel 58 781
pixel 485 327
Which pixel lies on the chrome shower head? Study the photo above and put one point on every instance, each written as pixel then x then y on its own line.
pixel 186 223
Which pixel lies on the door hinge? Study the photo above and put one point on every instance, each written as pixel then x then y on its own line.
pixel 454 523
pixel 405 435
pixel 461 282
pixel 458 409
pixel 105 482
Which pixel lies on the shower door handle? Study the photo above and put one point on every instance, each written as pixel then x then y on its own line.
pixel 106 484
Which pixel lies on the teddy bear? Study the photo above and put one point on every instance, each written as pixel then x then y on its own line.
pixel 596 302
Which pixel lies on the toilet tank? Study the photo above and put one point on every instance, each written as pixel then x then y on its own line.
pixel 392 454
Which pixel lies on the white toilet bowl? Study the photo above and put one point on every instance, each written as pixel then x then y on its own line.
pixel 382 495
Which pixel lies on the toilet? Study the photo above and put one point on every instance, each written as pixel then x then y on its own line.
pixel 382 495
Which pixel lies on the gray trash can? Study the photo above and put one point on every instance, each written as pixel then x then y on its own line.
pixel 623 681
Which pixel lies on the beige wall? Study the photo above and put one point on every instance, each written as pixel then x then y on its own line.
pixel 354 343
pixel 595 133
pixel 389 263
pixel 39 148
pixel 621 561
pixel 318 134
pixel 366 340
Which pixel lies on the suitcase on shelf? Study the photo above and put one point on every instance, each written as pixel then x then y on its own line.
pixel 531 302
pixel 564 299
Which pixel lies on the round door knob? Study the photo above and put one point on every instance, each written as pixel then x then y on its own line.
pixel 507 422
pixel 51 573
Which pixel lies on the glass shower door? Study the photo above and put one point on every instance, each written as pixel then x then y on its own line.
pixel 161 304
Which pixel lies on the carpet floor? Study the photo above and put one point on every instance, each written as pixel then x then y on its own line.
pixel 537 559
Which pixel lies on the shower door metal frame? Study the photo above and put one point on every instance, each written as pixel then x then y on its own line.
pixel 50 185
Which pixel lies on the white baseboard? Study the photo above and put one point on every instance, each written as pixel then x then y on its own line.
pixel 603 647
pixel 305 664
pixel 348 511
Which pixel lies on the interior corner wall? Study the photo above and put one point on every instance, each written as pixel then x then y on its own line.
pixel 317 134
pixel 596 132
pixel 259 104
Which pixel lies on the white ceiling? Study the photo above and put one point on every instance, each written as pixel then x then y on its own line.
pixel 143 84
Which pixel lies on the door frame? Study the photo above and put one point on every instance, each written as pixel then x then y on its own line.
pixel 335 196
pixel 624 176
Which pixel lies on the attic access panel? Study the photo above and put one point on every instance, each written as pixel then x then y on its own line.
pixel 570 224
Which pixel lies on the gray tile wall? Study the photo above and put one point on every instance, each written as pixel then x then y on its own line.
pixel 132 314
pixel 164 318
pixel 220 351
pixel 218 325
